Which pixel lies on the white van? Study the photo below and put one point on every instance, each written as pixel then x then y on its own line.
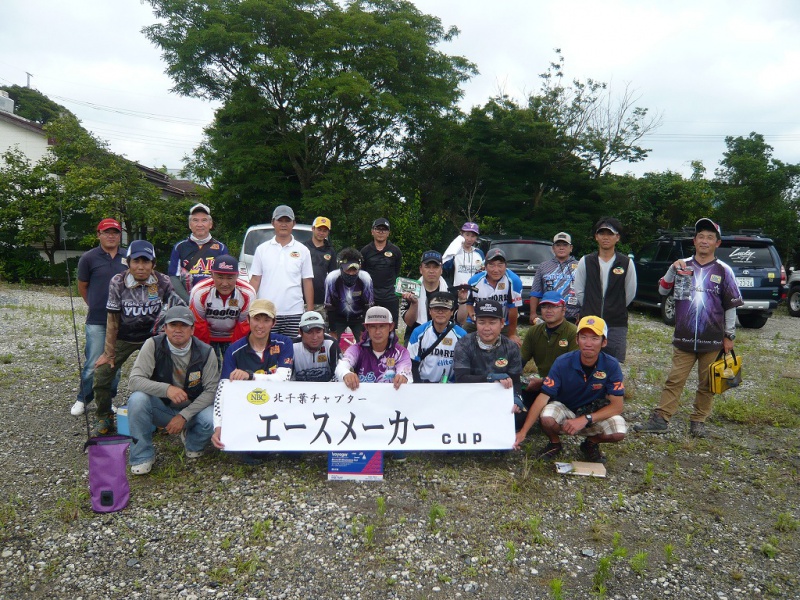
pixel 257 235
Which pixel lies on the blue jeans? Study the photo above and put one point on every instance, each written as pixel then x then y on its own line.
pixel 144 411
pixel 95 343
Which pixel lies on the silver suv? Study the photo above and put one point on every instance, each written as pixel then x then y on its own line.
pixel 257 235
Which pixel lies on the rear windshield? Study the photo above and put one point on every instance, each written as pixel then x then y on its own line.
pixel 739 255
pixel 258 236
pixel 528 253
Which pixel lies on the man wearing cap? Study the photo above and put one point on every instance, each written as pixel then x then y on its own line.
pixel 382 260
pixel 323 259
pixel 706 296
pixel 413 309
pixel 557 275
pixel 174 381
pixel 348 294
pixel 282 272
pixel 315 352
pixel 467 260
pixel 605 284
pixel 220 305
pixel 379 357
pixel 263 355
pixel 432 345
pixel 546 341
pixel 95 270
pixel 498 283
pixel 135 300
pixel 581 395
pixel 191 259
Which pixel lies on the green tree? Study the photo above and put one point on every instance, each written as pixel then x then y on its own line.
pixel 316 94
pixel 33 105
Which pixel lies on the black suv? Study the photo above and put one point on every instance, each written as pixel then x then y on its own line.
pixel 523 256
pixel 754 261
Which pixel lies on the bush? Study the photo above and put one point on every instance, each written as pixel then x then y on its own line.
pixel 22 263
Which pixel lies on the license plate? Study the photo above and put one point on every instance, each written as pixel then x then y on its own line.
pixel 527 280
pixel 745 282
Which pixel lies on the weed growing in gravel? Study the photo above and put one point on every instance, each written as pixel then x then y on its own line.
pixel 639 562
pixel 619 502
pixel 601 575
pixel 260 529
pixel 381 502
pixel 769 550
pixel 8 514
pixel 437 513
pixel 534 523
pixel 6 359
pixel 71 508
pixel 511 552
pixel 669 554
pixel 786 522
pixel 649 472
pixel 556 586
pixel 369 535
pixel 579 505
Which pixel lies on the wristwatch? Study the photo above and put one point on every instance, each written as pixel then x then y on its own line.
pixel 589 419
pixel 730 336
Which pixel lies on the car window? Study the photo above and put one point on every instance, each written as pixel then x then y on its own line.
pixel 648 252
pixel 532 253
pixel 740 255
pixel 665 252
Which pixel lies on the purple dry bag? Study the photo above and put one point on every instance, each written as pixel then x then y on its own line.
pixel 108 473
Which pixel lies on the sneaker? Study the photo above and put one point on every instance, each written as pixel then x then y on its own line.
pixel 78 408
pixel 591 452
pixel 550 452
pixel 142 468
pixel 655 424
pixel 697 429
pixel 105 426
pixel 189 453
pixel 399 457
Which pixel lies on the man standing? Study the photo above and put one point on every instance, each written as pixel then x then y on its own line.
pixel 191 259
pixel 605 284
pixel 135 300
pixel 348 294
pixel 315 352
pixel 95 270
pixel 282 271
pixel 468 259
pixel 498 283
pixel 557 275
pixel 379 358
pixel 323 259
pixel 582 395
pixel 487 355
pixel 546 341
pixel 413 309
pixel 706 297
pixel 382 260
pixel 432 345
pixel 173 380
pixel 220 305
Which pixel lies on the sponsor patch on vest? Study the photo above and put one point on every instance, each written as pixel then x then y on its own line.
pixel 194 376
pixel 124 261
pixel 258 396
pixel 618 271
pixel 447 342
pixel 716 279
pixel 501 286
pixel 294 254
pixel 321 358
pixel 215 246
pixel 573 266
pixel 388 254
pixel 233 302
pixel 600 375
pixel 326 256
pixel 390 362
pixel 152 290
pixel 563 343
pixel 274 349
pixel 501 362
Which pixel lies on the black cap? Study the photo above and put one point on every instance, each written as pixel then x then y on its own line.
pixel 488 308
pixel 381 222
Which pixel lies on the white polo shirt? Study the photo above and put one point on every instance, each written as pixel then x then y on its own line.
pixel 282 270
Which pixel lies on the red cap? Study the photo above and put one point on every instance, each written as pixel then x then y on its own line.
pixel 108 224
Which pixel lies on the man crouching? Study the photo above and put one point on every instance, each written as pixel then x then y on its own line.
pixel 173 381
pixel 582 395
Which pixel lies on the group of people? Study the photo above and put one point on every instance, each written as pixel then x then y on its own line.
pixel 201 323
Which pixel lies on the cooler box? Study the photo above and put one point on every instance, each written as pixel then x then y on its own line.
pixel 123 428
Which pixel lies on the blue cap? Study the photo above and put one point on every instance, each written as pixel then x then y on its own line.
pixel 431 256
pixel 139 248
pixel 552 298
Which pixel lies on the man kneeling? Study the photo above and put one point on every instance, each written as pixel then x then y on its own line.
pixel 582 395
pixel 173 381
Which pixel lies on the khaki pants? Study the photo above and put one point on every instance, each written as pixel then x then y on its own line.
pixel 105 375
pixel 682 363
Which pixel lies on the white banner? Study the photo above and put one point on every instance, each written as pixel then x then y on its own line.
pixel 324 417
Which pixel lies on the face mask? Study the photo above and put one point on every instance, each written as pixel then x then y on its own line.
pixel 349 280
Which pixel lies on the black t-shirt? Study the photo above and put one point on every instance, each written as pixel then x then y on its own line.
pixel 384 268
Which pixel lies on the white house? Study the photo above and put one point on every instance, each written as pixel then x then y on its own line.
pixel 28 136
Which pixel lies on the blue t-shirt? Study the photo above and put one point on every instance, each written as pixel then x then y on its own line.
pixel 568 383
pixel 278 353
pixel 96 267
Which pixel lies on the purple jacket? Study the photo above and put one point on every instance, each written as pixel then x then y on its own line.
pixel 373 369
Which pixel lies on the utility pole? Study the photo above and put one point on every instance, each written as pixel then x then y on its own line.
pixel 29 78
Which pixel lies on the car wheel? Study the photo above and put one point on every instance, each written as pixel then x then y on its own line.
pixel 794 301
pixel 668 310
pixel 753 321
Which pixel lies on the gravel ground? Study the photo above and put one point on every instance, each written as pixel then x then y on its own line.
pixel 676 517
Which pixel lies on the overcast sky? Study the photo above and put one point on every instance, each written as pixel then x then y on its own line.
pixel 711 68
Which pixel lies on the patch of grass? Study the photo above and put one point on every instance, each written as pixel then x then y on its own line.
pixel 601 576
pixel 649 473
pixel 534 523
pixel 669 554
pixel 556 586
pixel 777 404
pixel 786 522
pixel 369 535
pixel 381 502
pixel 579 504
pixel 638 562
pixel 71 508
pixel 769 550
pixel 436 514
pixel 511 552
pixel 260 529
pixel 6 359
